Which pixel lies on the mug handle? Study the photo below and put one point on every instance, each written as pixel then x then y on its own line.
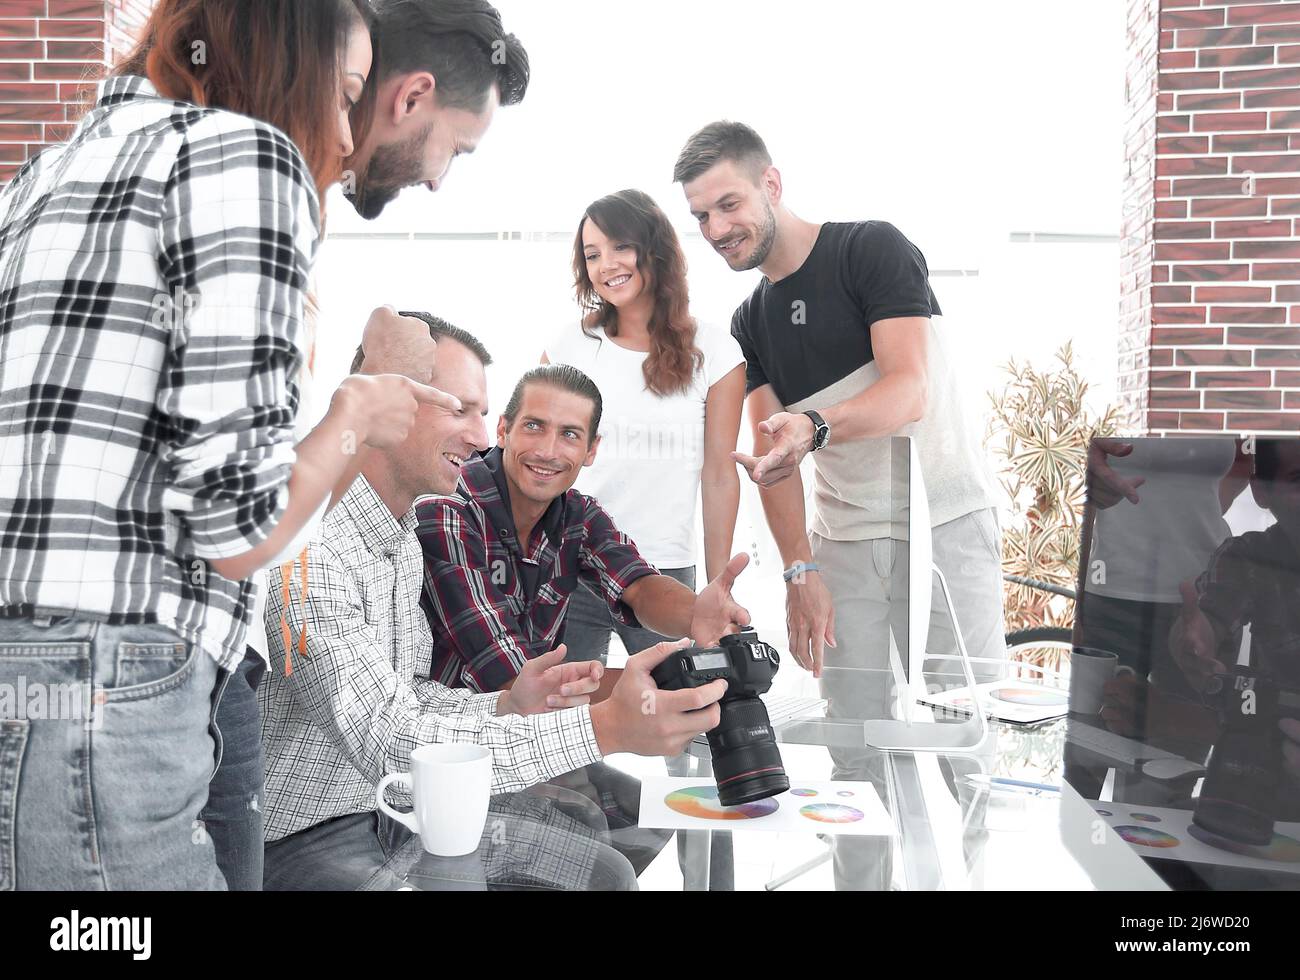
pixel 405 819
pixel 1122 669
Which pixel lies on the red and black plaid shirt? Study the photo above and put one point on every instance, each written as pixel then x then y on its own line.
pixel 493 605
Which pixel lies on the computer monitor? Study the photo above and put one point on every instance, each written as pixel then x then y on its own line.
pixel 1190 567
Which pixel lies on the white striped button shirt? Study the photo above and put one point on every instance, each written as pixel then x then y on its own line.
pixel 152 280
pixel 354 707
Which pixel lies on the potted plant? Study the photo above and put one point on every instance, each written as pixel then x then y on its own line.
pixel 1039 432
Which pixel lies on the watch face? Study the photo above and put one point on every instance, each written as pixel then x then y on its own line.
pixel 821 431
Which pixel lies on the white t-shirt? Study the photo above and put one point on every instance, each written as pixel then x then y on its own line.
pixel 651 455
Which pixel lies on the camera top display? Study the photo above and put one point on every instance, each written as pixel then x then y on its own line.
pixel 745 662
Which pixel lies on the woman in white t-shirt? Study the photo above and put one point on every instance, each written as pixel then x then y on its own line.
pixel 672 390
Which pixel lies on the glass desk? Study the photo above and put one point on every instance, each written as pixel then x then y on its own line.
pixel 1071 804
pixel 1000 816
pixel 537 840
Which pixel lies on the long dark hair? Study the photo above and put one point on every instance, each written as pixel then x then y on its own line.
pixel 273 60
pixel 633 218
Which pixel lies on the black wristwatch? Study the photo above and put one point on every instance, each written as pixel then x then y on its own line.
pixel 821 431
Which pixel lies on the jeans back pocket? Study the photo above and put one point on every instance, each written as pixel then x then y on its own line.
pixel 145 663
pixel 13 744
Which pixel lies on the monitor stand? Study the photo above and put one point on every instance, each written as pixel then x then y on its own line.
pixel 906 735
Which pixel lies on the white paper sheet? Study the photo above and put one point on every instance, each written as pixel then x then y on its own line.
pixel 810 806
pixel 1158 832
pixel 1018 702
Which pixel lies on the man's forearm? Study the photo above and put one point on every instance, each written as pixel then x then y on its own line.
pixel 881 410
pixel 786 519
pixel 320 464
pixel 661 604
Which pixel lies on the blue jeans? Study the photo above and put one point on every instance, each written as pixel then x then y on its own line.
pixel 105 757
pixel 233 816
pixel 588 625
pixel 341 854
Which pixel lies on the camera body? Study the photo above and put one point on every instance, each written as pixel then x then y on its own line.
pixel 746 762
pixel 744 661
pixel 1239 798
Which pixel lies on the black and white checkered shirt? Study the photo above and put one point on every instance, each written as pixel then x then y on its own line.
pixel 361 699
pixel 152 280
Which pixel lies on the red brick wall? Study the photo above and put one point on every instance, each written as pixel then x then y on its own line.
pixel 1219 320
pixel 51 52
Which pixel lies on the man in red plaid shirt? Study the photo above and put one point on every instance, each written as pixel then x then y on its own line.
pixel 504 554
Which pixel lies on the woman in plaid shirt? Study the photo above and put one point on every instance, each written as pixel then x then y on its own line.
pixel 154 271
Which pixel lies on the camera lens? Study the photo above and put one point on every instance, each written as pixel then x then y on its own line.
pixel 746 761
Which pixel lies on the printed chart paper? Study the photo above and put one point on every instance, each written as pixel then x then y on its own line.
pixel 816 807
pixel 1158 832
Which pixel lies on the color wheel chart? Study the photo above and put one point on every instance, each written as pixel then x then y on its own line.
pixel 1147 837
pixel 702 803
pixel 1038 697
pixel 831 813
pixel 816 807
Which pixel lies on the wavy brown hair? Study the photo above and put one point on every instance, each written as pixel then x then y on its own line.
pixel 632 218
pixel 274 60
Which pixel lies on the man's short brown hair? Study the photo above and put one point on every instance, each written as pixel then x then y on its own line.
pixel 718 142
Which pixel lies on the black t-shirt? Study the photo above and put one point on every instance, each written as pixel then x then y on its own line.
pixel 812 328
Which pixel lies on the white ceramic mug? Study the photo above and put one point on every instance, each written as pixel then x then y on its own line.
pixel 450 786
pixel 1090 669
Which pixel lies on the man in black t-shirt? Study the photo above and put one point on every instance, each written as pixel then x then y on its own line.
pixel 842 355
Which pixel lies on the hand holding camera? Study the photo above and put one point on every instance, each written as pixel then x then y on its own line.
pixel 746 761
pixel 638 717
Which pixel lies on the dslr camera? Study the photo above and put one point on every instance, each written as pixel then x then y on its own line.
pixel 746 762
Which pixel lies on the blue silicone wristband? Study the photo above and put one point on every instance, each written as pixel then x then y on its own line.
pixel 798 568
